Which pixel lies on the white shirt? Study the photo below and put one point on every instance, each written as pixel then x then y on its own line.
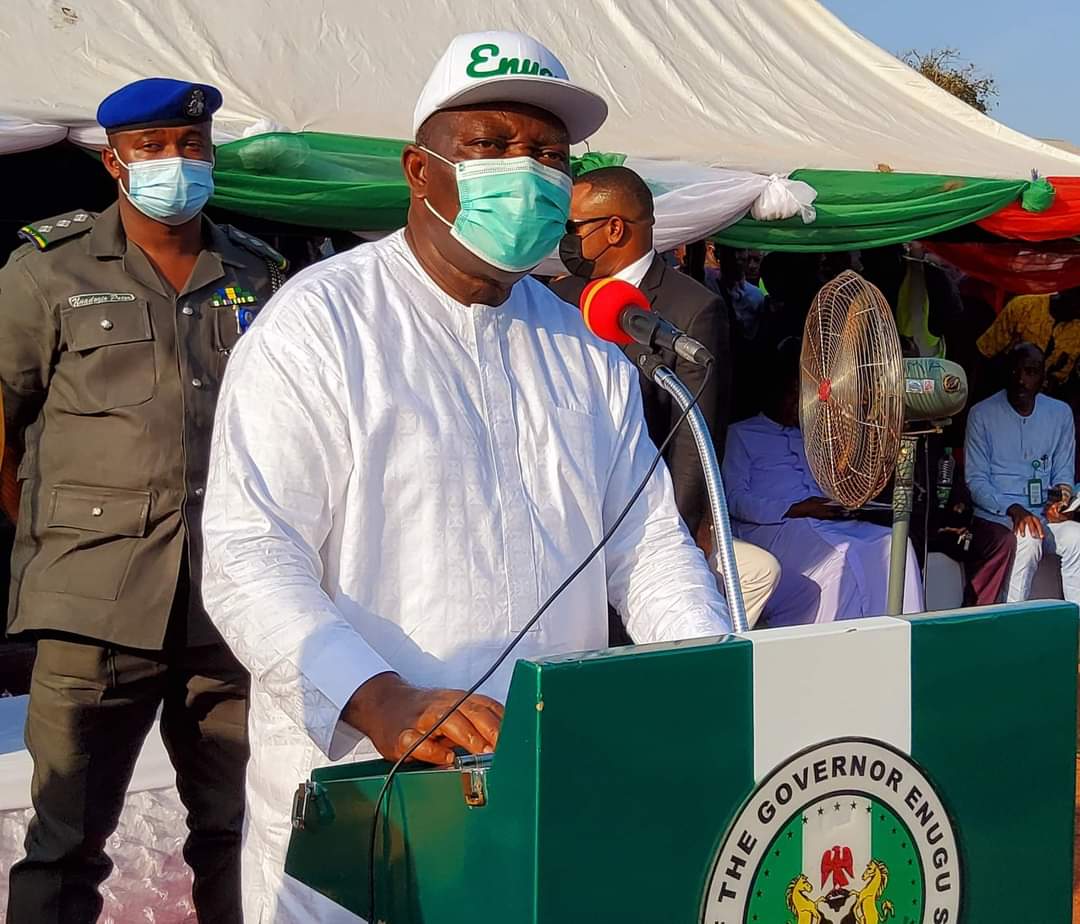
pixel 1003 451
pixel 397 482
pixel 635 272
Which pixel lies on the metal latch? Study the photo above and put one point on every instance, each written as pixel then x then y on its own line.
pixel 310 806
pixel 474 768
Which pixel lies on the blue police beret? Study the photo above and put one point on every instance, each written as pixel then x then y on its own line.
pixel 158 102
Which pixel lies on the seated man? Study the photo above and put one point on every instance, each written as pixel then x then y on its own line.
pixel 1020 457
pixel 832 566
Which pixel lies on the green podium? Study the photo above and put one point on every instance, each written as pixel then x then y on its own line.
pixel 907 770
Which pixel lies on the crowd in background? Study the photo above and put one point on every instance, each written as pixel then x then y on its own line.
pixel 768 297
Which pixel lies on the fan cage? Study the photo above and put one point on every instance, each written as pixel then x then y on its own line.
pixel 851 407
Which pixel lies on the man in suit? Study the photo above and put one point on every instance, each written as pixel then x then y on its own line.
pixel 610 233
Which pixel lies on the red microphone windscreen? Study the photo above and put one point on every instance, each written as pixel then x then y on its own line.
pixel 602 302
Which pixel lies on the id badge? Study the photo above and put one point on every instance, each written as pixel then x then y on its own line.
pixel 1035 492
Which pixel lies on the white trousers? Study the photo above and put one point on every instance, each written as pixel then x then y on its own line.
pixel 1062 538
pixel 759 575
pixel 832 569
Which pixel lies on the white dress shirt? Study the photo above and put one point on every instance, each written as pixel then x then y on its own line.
pixel 635 272
pixel 397 482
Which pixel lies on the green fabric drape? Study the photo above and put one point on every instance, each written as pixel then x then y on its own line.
pixel 312 178
pixel 594 160
pixel 857 210
pixel 353 183
pixel 326 181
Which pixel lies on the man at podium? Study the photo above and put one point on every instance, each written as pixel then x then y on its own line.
pixel 416 443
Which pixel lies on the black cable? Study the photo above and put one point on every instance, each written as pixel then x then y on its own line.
pixel 926 514
pixel 383 792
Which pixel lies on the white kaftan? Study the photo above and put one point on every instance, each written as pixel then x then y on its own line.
pixel 397 481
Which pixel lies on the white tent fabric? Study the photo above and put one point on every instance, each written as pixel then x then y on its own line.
pixel 762 85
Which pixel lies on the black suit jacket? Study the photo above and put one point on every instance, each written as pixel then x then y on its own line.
pixel 705 316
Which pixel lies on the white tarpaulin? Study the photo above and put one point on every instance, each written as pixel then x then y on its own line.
pixel 763 85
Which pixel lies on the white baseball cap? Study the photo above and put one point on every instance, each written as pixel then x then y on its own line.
pixel 508 67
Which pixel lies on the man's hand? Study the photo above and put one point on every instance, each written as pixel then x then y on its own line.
pixel 819 508
pixel 705 539
pixel 1025 523
pixel 1060 497
pixel 1055 512
pixel 961 532
pixel 393 714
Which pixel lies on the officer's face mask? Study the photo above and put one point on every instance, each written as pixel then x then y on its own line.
pixel 513 210
pixel 172 190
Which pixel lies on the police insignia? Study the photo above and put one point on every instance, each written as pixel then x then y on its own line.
pixel 196 103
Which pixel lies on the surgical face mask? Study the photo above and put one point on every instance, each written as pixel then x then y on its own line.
pixel 513 210
pixel 172 190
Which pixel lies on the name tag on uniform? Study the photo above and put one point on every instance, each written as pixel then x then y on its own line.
pixel 85 299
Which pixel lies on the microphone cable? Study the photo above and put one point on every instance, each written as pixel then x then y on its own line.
pixel 384 791
pixel 927 500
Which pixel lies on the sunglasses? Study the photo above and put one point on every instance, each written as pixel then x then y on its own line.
pixel 573 225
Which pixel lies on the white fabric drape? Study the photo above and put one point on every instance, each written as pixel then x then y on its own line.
pixel 21 135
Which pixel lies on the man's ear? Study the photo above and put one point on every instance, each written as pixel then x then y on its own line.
pixel 616 230
pixel 414 164
pixel 110 162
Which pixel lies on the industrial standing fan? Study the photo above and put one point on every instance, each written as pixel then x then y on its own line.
pixel 863 406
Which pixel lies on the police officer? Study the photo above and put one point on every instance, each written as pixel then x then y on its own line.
pixel 114 334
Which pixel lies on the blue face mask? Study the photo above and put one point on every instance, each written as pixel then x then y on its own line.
pixel 513 210
pixel 172 190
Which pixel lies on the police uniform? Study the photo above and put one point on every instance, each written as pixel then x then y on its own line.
pixel 111 376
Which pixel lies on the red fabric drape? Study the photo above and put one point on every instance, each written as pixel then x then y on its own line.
pixel 1061 220
pixel 1016 266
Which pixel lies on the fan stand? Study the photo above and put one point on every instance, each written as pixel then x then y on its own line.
pixel 902 500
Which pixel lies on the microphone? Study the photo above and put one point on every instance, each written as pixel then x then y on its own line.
pixel 620 313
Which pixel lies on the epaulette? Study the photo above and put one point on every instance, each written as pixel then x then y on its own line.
pixel 52 231
pixel 257 247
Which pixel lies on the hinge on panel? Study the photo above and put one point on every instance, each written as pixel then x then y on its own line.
pixel 473 769
pixel 310 806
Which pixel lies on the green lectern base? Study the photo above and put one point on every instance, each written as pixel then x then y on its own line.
pixel 903 770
